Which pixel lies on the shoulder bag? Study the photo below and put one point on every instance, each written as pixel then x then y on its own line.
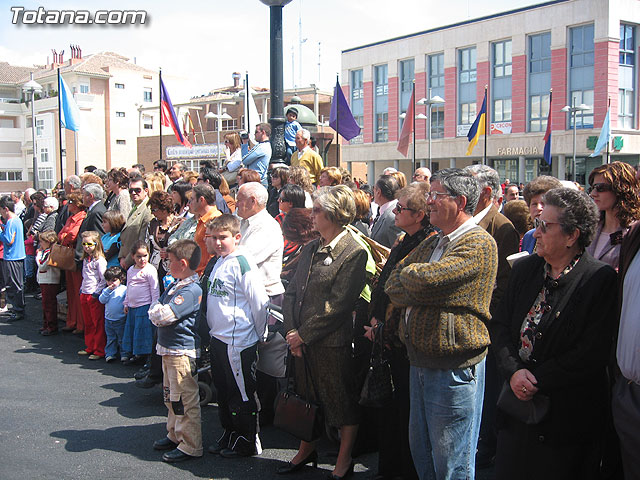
pixel 377 390
pixel 62 257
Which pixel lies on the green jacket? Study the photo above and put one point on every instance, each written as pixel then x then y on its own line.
pixel 448 299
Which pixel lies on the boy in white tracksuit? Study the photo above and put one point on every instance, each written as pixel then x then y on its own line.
pixel 235 301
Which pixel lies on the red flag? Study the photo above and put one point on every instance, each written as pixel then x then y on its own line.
pixel 407 126
pixel 168 115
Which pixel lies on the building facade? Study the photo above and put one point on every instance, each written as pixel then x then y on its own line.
pixel 582 52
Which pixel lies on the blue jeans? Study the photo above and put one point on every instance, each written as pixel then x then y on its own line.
pixel 115 332
pixel 446 410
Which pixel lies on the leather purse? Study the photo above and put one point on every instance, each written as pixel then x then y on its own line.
pixel 530 412
pixel 62 257
pixel 296 415
pixel 377 390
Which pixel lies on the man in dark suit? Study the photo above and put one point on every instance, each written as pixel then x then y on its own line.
pixel 507 239
pixel 384 230
pixel 92 195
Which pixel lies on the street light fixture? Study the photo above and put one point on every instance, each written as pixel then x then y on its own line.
pixel 218 116
pixel 33 87
pixel 573 110
pixel 436 100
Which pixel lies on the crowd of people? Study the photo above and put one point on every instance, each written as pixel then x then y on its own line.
pixel 508 324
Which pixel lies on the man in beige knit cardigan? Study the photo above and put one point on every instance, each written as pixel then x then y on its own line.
pixel 445 285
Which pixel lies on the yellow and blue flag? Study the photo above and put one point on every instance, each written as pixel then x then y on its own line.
pixel 478 127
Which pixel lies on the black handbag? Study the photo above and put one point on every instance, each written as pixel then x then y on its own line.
pixel 530 412
pixel 377 390
pixel 296 415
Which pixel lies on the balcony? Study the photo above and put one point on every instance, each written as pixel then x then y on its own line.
pixel 12 134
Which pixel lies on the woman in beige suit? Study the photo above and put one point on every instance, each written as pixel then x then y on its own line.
pixel 318 309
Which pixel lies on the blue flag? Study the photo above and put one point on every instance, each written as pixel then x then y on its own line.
pixel 605 136
pixel 69 111
pixel 341 119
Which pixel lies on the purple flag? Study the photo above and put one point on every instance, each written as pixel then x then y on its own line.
pixel 341 119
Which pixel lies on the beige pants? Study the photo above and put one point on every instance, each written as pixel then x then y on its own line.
pixel 180 386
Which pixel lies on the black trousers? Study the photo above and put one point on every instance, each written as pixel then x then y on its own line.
pixel 233 372
pixel 13 272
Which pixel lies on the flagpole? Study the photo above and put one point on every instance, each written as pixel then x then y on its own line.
pixel 337 123
pixel 247 123
pixel 609 139
pixel 60 128
pixel 413 124
pixel 75 142
pixel 160 108
pixel 486 126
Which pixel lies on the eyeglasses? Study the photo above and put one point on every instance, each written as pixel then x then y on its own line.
pixel 88 244
pixel 433 196
pixel 399 208
pixel 600 187
pixel 135 190
pixel 543 224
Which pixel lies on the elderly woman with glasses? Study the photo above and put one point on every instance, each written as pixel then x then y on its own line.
pixel 552 336
pixel 318 308
pixel 616 192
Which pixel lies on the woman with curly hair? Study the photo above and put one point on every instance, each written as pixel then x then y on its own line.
pixel 614 189
pixel 118 187
pixel 159 230
pixel 330 177
pixel 300 176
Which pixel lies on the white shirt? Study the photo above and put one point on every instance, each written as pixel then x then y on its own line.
pixel 628 349
pixel 262 239
pixel 236 301
pixel 446 240
pixel 481 214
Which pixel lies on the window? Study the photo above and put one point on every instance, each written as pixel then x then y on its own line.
pixel 121 142
pixel 406 69
pixel 119 114
pixel 436 88
pixel 357 101
pixel 468 65
pixel 501 91
pixel 626 77
pixel 84 88
pixel 120 85
pixel 467 113
pixel 148 95
pixel 147 122
pixel 539 66
pixel 11 176
pixel 44 155
pixel 230 124
pixel 39 128
pixel 381 92
pixel 581 73
pixel 466 87
pixel 538 112
pixel 45 177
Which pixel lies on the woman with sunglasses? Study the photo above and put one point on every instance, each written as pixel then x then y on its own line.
pixel 552 336
pixel 412 217
pixel 615 191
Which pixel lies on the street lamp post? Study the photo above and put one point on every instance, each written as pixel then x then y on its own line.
pixel 277 119
pixel 218 116
pixel 574 110
pixel 430 102
pixel 33 87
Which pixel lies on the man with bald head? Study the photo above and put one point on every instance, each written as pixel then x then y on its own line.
pixel 305 156
pixel 422 174
pixel 175 172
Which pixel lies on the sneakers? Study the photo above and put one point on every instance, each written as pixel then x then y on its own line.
pixel 110 359
pixel 83 352
pixel 95 357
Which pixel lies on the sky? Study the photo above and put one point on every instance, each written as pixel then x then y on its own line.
pixel 205 41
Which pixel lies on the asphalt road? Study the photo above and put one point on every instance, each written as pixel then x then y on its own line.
pixel 63 416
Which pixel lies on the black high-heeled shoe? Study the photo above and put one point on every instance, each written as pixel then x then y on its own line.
pixel 348 473
pixel 291 467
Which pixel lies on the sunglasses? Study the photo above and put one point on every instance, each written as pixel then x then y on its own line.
pixel 88 244
pixel 135 190
pixel 399 208
pixel 600 187
pixel 543 224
